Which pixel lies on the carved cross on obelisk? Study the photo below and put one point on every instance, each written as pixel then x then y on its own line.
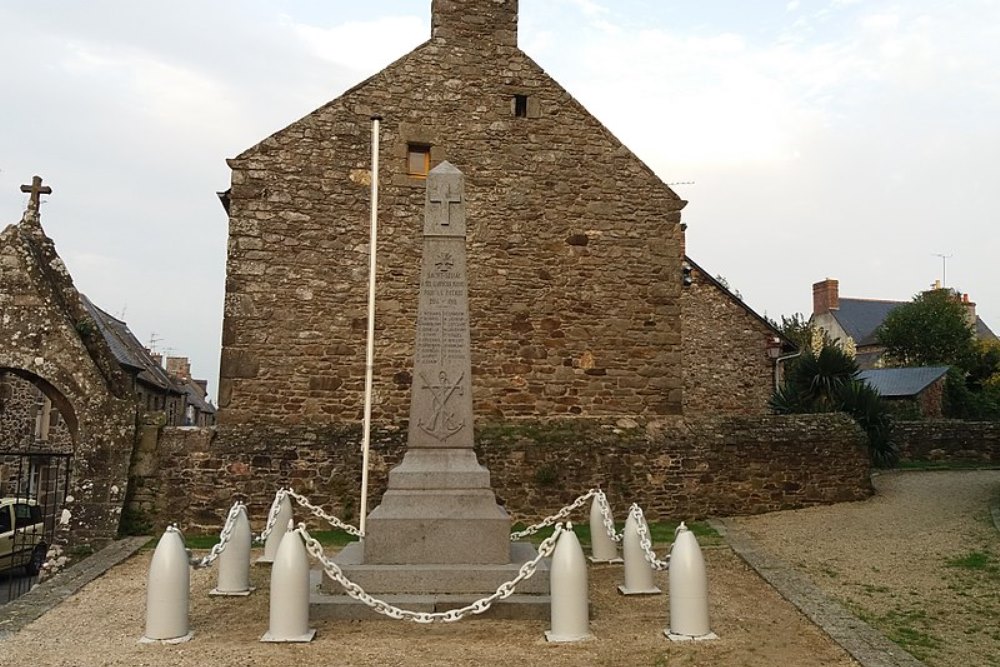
pixel 36 189
pixel 445 197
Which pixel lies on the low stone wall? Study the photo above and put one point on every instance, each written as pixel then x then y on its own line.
pixel 948 440
pixel 681 469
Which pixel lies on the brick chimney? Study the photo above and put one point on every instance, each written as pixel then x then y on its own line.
pixel 485 22
pixel 179 367
pixel 826 296
pixel 970 310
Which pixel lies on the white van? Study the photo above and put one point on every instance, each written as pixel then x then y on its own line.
pixel 22 535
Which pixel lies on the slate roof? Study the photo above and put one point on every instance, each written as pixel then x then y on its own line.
pixel 128 350
pixel 195 398
pixel 902 382
pixel 861 317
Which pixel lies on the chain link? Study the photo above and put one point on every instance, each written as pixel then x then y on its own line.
pixel 644 541
pixel 558 516
pixel 321 514
pixel 609 521
pixel 505 590
pixel 272 515
pixel 224 536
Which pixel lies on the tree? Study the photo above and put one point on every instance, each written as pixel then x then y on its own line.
pixel 930 330
pixel 797 329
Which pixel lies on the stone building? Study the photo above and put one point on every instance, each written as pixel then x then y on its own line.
pixel 74 385
pixel 575 251
pixel 198 409
pixel 78 435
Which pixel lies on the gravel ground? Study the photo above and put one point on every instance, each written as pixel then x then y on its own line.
pixel 920 560
pixel 100 626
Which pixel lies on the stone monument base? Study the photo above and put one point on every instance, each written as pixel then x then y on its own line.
pixel 434 587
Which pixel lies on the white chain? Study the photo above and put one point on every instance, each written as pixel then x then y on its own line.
pixel 272 515
pixel 504 591
pixel 644 541
pixel 320 513
pixel 558 516
pixel 224 536
pixel 609 522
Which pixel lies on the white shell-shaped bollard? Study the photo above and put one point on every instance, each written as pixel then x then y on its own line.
pixel 167 591
pixel 602 548
pixel 289 618
pixel 234 561
pixel 688 590
pixel 277 531
pixel 638 571
pixel 569 591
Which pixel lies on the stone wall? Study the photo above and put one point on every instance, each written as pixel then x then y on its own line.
pixel 679 469
pixel 21 424
pixel 726 367
pixel 948 440
pixel 574 246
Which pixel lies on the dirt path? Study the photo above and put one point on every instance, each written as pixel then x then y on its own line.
pixel 920 561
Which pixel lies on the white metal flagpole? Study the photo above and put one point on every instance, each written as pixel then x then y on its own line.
pixel 370 353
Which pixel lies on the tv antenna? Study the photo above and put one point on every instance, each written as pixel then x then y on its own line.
pixel 944 267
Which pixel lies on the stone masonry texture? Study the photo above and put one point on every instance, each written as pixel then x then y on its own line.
pixel 948 440
pixel 674 469
pixel 574 245
pixel 726 367
pixel 50 341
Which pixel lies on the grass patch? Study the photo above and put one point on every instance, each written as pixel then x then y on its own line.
pixel 974 560
pixel 660 532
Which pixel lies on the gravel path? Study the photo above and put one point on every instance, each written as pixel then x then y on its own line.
pixel 920 560
pixel 100 626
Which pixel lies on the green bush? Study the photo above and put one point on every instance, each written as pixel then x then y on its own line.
pixel 825 382
pixel 962 402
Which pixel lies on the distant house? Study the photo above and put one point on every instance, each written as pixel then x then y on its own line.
pixel 855 321
pixel 198 410
pixel 923 386
pixel 154 390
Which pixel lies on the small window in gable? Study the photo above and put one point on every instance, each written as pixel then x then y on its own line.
pixel 521 106
pixel 418 160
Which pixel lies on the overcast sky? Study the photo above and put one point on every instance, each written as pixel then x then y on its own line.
pixel 852 139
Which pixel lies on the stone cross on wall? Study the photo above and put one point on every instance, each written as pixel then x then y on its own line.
pixel 36 189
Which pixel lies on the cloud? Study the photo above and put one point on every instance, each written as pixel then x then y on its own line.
pixel 364 46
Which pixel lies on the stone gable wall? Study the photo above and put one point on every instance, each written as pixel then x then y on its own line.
pixel 948 440
pixel 681 469
pixel 574 252
pixel 50 343
pixel 726 367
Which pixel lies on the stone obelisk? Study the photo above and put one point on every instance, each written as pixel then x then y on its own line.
pixel 439 506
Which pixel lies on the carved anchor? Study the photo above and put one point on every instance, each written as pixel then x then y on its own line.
pixel 442 423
